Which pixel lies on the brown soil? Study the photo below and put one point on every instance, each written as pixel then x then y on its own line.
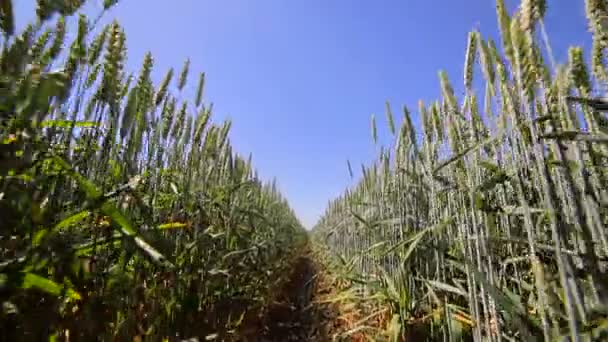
pixel 293 316
pixel 307 305
pixel 302 309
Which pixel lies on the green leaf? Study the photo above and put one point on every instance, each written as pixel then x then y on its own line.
pixel 390 288
pixel 374 246
pixel 88 248
pixel 88 187
pixel 446 287
pixel 394 328
pixel 416 238
pixel 126 228
pixel 71 220
pixel 31 280
pixel 174 188
pixel 528 325
pixel 464 152
pixel 361 219
pixel 65 223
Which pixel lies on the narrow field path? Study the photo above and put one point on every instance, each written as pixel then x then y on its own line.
pixel 294 315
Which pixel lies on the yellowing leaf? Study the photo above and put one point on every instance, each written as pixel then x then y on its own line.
pixel 172 225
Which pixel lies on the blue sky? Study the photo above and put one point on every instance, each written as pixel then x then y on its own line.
pixel 300 78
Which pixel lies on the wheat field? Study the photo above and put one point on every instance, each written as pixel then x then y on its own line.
pixel 126 215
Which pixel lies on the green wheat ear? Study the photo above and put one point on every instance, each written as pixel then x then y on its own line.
pixel 168 116
pixel 479 130
pixel 79 44
pixel 504 25
pixel 350 169
pixel 38 47
pixel 408 127
pixel 162 89
pixel 97 45
pixel 179 121
pixel 200 89
pixel 129 113
pixel 44 10
pixel 113 64
pixel 107 4
pixel 58 41
pixel 447 91
pixel 225 129
pixel 426 120
pixel 202 121
pixel 183 76
pixel 525 63
pixel 579 76
pixel 597 60
pixel 146 69
pixel 69 7
pixel 374 130
pixel 144 84
pixel 597 12
pixel 187 132
pixel 489 96
pixel 499 63
pixel 389 117
pixel 470 59
pixel 531 12
pixel 437 121
pixel 578 71
pixel 487 63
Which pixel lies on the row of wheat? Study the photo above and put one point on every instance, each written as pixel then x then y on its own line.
pixel 123 209
pixel 491 226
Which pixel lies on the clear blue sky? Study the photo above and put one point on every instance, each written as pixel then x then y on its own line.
pixel 300 78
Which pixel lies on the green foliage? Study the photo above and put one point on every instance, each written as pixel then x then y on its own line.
pixel 111 226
